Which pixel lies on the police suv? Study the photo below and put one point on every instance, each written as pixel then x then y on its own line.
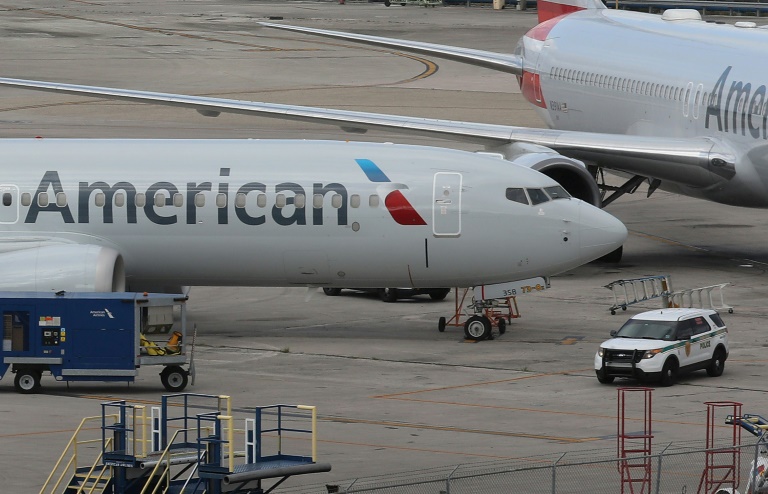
pixel 660 344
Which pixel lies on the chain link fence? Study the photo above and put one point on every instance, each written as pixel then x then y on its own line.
pixel 677 468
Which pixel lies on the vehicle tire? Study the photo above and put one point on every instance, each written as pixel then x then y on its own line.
pixel 502 324
pixel 602 378
pixel 717 364
pixel 439 294
pixel 441 324
pixel 668 372
pixel 477 328
pixel 174 378
pixel 27 381
pixel 387 3
pixel 331 292
pixel 388 295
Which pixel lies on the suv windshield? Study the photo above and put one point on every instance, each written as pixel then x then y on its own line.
pixel 638 328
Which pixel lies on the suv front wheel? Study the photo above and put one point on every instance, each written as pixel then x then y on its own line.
pixel 669 372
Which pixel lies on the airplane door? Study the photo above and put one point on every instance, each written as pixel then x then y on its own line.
pixel 9 204
pixel 446 205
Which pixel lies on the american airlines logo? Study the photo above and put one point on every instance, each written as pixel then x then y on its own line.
pixel 397 205
pixel 739 108
pixel 102 313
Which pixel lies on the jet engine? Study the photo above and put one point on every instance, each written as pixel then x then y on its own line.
pixel 570 173
pixel 69 267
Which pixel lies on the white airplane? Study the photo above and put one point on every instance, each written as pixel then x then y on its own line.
pixel 668 99
pixel 114 215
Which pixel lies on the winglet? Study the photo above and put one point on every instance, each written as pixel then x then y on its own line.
pixel 549 9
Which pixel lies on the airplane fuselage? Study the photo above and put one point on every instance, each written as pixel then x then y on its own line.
pixel 622 72
pixel 276 213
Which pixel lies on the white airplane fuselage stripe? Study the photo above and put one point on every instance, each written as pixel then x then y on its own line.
pixel 262 242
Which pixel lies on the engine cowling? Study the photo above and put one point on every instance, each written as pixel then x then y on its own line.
pixel 69 267
pixel 570 173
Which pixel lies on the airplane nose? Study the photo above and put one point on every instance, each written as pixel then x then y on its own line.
pixel 601 233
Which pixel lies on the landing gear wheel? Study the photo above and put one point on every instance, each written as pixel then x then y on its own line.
pixel 477 328
pixel 439 294
pixel 602 378
pixel 717 364
pixel 668 373
pixel 27 381
pixel 174 378
pixel 441 324
pixel 331 292
pixel 502 324
pixel 388 295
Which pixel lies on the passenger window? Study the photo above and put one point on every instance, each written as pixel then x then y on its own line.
pixel 699 325
pixel 537 196
pixel 61 199
pixel 119 199
pixel 159 200
pixel 100 200
pixel 280 200
pixel 221 200
pixel 240 200
pixel 373 201
pixel 26 199
pixel 557 192
pixel 354 200
pixel 517 195
pixel 300 200
pixel 199 200
pixel 42 199
pixel 141 200
pixel 7 199
pixel 261 200
pixel 178 200
pixel 317 201
pixel 336 201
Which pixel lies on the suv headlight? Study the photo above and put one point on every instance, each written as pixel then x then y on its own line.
pixel 651 353
pixel 600 351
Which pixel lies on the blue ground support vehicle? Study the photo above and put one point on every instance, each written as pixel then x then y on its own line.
pixel 92 337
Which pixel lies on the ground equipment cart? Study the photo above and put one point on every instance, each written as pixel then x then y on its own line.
pixel 92 337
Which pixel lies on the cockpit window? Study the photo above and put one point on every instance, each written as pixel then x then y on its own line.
pixel 537 196
pixel 557 192
pixel 517 195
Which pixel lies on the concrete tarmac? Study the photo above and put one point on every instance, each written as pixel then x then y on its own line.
pixel 392 392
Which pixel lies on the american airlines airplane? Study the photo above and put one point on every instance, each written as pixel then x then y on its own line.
pixel 114 215
pixel 666 99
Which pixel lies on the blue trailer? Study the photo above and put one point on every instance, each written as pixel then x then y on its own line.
pixel 92 337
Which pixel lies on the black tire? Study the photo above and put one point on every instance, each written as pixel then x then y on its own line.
pixel 668 372
pixel 174 378
pixel 331 292
pixel 439 294
pixel 27 381
pixel 441 324
pixel 602 378
pixel 502 324
pixel 717 364
pixel 387 3
pixel 388 295
pixel 477 328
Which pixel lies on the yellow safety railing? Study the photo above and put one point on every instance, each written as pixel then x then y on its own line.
pixel 88 477
pixel 68 461
pixel 314 428
pixel 165 460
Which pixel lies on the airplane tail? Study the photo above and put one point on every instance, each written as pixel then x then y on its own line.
pixel 554 8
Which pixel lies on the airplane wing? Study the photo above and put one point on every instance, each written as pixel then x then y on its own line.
pixel 497 61
pixel 694 162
